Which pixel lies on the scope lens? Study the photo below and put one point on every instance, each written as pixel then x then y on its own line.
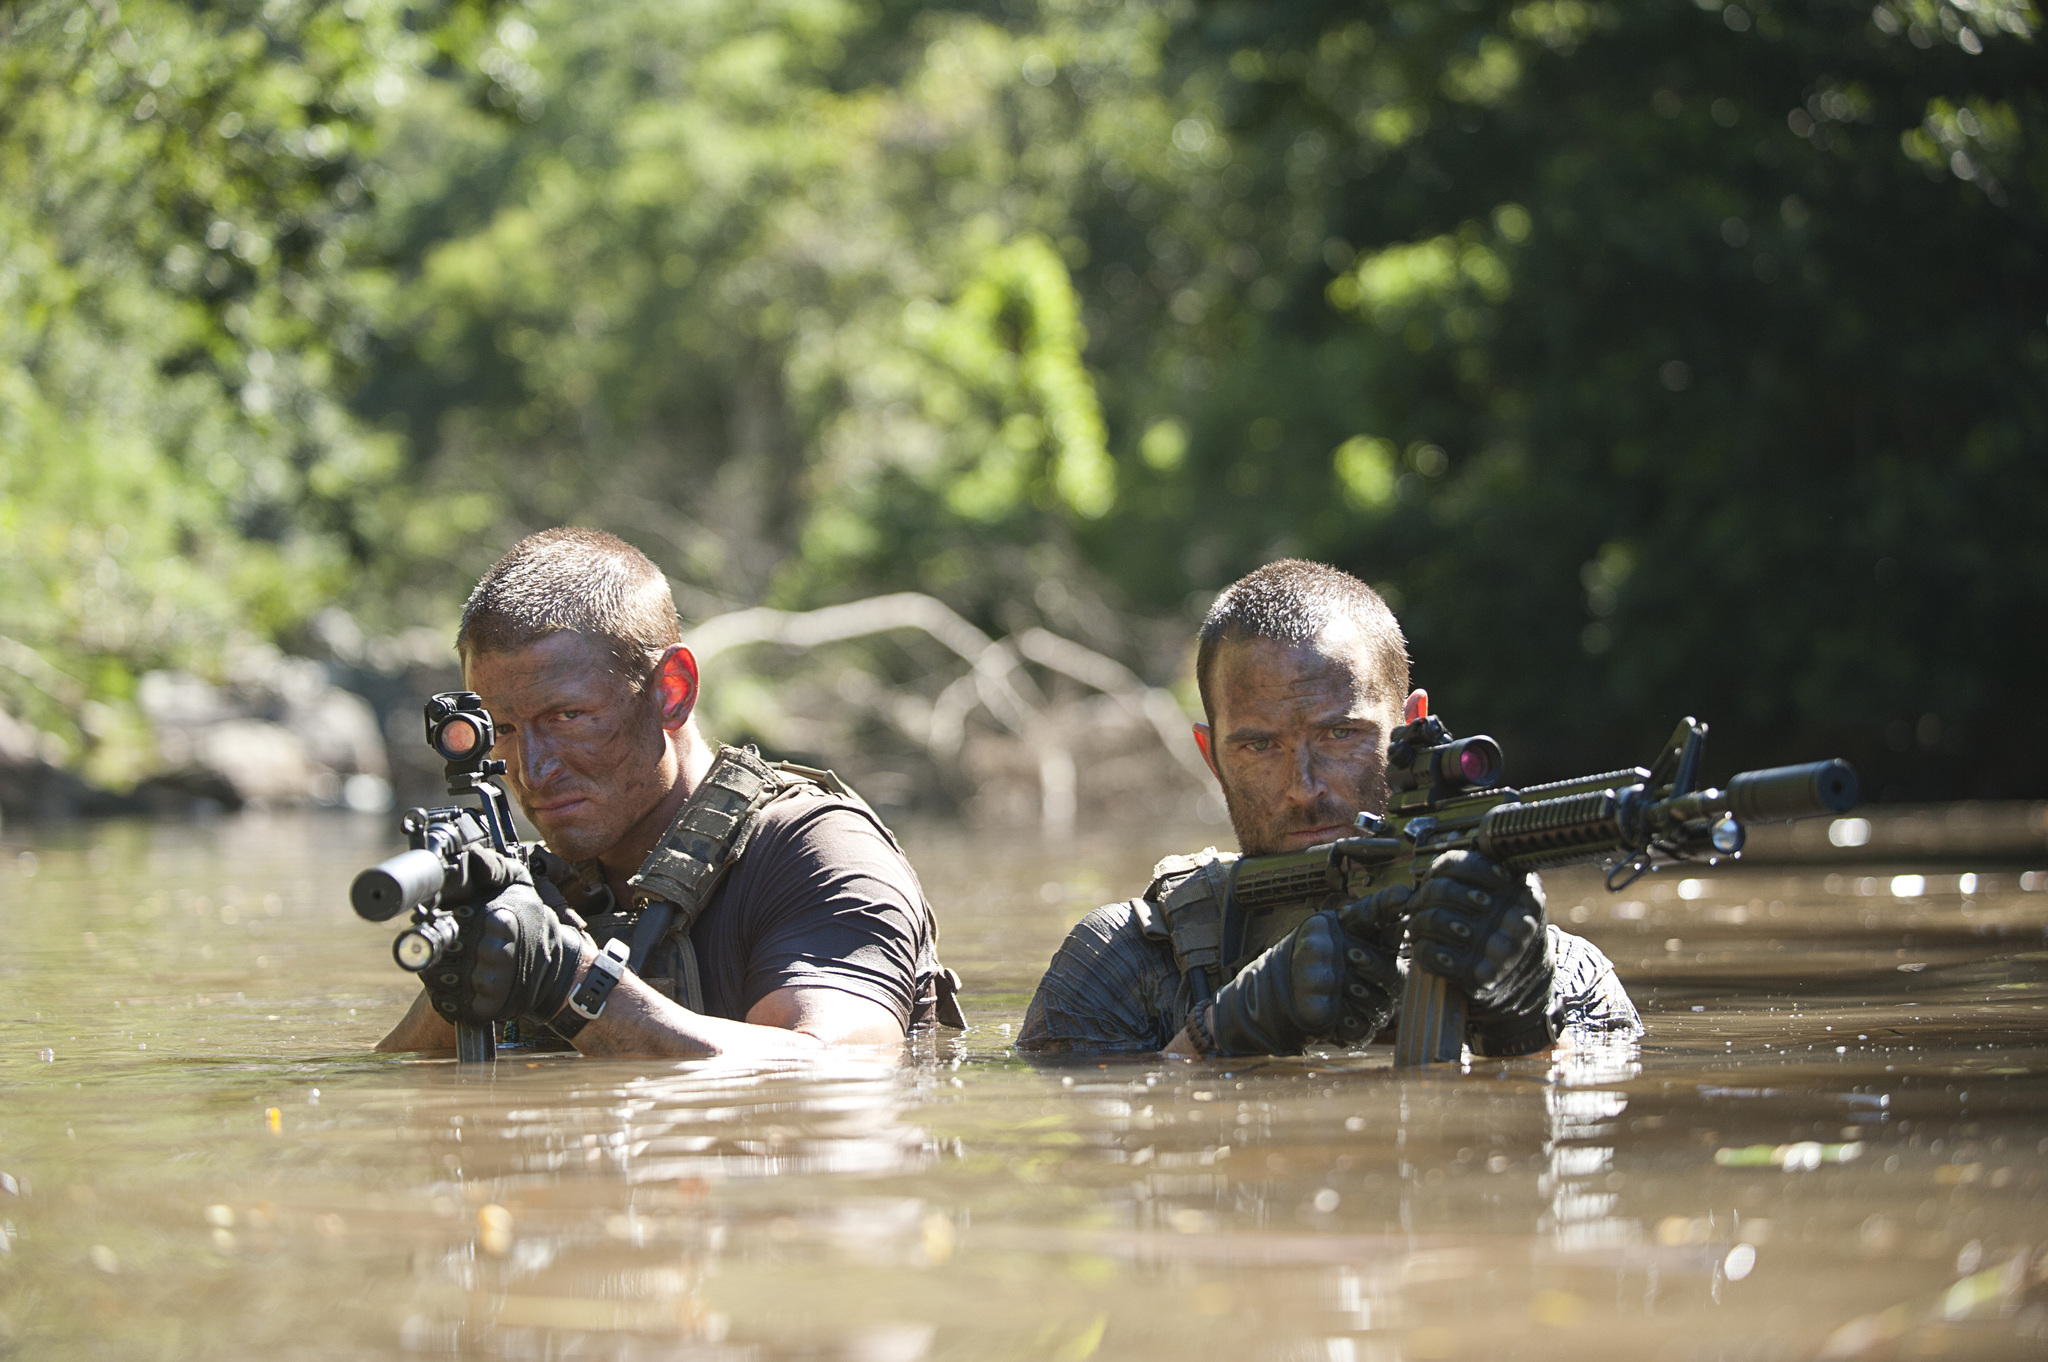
pixel 459 738
pixel 1473 763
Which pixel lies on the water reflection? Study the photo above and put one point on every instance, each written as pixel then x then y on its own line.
pixel 1832 1142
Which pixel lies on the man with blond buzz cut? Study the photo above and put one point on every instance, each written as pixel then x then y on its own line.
pixel 1303 674
pixel 690 899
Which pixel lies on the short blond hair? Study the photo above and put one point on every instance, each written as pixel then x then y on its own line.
pixel 574 580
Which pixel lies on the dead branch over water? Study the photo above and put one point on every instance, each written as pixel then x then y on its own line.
pixel 996 682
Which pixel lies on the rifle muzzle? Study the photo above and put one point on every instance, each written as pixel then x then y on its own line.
pixel 398 885
pixel 1786 792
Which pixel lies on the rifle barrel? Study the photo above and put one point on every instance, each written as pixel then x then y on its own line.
pixel 1783 793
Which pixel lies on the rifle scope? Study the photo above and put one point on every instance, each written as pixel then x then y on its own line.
pixel 1470 763
pixel 460 728
pixel 1422 755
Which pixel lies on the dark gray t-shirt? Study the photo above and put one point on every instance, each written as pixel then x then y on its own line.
pixel 1111 989
pixel 821 899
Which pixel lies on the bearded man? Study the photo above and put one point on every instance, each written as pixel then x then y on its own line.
pixel 690 900
pixel 1303 674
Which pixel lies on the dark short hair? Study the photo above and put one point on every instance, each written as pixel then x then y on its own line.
pixel 581 581
pixel 1293 601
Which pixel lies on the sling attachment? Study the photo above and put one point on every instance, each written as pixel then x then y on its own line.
pixel 647 930
pixel 709 835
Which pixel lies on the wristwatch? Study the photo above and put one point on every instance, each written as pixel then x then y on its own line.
pixel 605 972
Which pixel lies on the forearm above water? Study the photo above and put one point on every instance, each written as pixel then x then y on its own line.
pixel 638 1021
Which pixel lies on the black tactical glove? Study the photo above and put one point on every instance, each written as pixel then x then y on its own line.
pixel 515 959
pixel 1333 977
pixel 562 887
pixel 1482 929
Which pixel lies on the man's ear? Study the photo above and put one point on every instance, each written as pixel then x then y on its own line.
pixel 676 676
pixel 1417 706
pixel 1203 740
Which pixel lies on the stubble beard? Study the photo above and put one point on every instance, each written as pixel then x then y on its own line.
pixel 603 828
pixel 577 845
pixel 615 811
pixel 1260 830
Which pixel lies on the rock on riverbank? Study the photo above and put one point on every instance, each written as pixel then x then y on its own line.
pixel 279 732
pixel 275 732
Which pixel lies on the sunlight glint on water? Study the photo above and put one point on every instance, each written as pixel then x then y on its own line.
pixel 1831 1143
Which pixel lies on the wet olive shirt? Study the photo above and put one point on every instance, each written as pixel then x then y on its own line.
pixel 1113 989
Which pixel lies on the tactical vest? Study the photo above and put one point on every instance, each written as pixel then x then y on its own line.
pixel 707 839
pixel 1189 905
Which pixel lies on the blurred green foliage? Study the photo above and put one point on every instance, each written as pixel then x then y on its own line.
pixel 1711 338
pixel 1659 358
pixel 181 189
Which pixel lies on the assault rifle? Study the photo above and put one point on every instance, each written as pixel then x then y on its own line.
pixel 1447 796
pixel 435 872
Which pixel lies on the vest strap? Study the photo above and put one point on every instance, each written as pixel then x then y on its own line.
pixel 710 833
pixel 1191 893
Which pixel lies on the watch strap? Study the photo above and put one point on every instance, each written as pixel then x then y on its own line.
pixel 590 996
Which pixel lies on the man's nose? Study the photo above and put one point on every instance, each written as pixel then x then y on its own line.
pixel 1310 784
pixel 533 763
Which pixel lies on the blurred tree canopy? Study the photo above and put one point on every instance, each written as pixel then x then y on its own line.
pixel 181 189
pixel 1674 357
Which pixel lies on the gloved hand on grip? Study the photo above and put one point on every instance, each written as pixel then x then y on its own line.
pixel 1482 928
pixel 515 958
pixel 561 885
pixel 1335 976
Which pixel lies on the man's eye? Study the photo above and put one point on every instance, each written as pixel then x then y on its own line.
pixel 1343 733
pixel 1260 745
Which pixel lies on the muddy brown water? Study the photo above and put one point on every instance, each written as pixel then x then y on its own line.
pixel 1833 1142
